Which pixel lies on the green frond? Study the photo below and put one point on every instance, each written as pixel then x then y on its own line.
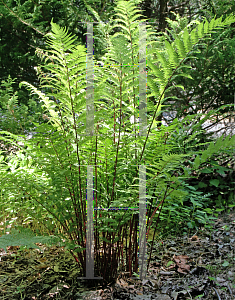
pixel 180 47
pixel 153 87
pixel 214 147
pixel 200 30
pixel 173 56
pixel 217 22
pixel 187 41
pixel 185 75
pixel 158 73
pixel 212 24
pixel 127 18
pixel 229 20
pixel 194 36
pixel 120 26
pixel 59 39
pixel 92 11
pixel 206 27
pixel 167 162
pixel 165 64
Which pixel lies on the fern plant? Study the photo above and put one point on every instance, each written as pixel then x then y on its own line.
pixel 52 167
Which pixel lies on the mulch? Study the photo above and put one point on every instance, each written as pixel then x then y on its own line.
pixel 201 266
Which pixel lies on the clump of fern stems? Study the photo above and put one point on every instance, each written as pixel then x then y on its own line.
pixel 52 167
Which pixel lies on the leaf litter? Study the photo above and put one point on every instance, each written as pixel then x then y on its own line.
pixel 198 267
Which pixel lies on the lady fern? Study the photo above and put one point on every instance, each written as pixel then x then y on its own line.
pixel 58 181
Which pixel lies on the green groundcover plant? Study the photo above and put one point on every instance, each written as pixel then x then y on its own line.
pixel 51 168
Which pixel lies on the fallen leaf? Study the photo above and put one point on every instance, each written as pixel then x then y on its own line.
pixel 181 261
pixel 122 282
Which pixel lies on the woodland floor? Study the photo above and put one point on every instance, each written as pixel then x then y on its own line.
pixel 202 265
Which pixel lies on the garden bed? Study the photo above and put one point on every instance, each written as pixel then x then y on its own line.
pixel 181 268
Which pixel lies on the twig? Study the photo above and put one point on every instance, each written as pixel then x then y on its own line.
pixel 218 296
pixel 229 288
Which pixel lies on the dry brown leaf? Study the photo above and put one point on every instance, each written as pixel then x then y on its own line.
pixel 181 261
